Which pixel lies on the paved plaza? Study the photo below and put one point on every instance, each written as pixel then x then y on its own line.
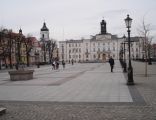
pixel 83 91
pixel 79 83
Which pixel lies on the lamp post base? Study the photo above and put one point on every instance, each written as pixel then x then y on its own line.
pixel 130 76
pixel 130 83
pixel 125 67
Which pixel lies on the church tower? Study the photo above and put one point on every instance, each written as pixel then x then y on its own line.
pixel 44 34
pixel 103 27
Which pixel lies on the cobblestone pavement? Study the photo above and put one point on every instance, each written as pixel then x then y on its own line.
pixel 146 86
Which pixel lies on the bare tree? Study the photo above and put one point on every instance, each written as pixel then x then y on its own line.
pixel 51 44
pixel 5 47
pixel 144 31
pixel 29 47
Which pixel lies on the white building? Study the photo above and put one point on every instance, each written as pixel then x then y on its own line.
pixel 48 46
pixel 98 48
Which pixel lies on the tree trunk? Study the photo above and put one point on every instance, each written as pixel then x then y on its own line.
pixel 28 60
pixel 0 65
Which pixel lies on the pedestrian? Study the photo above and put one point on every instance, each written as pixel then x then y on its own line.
pixel 63 64
pixel 57 64
pixel 53 65
pixel 111 62
pixel 72 61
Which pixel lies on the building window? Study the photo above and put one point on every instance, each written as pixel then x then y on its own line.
pixel 98 56
pixel 79 44
pixel 73 50
pixel 69 45
pixel 86 44
pixel 94 44
pixel 79 49
pixel 87 50
pixel 93 49
pixel 76 50
pixel 94 56
pixel 79 56
pixel 103 49
pixel 69 56
pixel 98 49
pixel 113 48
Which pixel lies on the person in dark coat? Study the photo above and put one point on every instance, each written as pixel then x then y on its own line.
pixel 72 61
pixel 111 62
pixel 57 64
pixel 63 63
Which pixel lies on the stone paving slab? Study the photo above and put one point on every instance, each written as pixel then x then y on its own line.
pixel 79 83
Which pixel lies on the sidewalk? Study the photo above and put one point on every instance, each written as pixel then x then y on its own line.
pixel 144 87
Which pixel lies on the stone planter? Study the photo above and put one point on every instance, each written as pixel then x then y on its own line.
pixel 2 110
pixel 21 75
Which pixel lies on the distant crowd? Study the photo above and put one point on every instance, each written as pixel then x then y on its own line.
pixel 55 64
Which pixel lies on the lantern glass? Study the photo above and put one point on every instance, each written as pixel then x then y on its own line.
pixel 128 21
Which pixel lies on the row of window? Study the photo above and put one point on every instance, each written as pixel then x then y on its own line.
pixel 79 56
pixel 94 50
pixel 79 44
pixel 74 56
pixel 101 44
pixel 75 45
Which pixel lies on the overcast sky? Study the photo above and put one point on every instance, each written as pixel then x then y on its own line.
pixel 74 19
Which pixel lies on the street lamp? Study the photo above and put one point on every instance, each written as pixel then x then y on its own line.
pixel 62 52
pixel 18 54
pixel 37 59
pixel 125 65
pixel 130 81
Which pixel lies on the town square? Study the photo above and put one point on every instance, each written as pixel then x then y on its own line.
pixel 77 60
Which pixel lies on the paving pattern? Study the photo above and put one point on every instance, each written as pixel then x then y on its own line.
pixel 142 107
pixel 80 83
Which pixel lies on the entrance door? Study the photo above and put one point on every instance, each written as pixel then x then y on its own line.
pixel 104 57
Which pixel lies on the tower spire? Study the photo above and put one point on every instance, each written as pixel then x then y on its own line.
pixel 44 32
pixel 103 27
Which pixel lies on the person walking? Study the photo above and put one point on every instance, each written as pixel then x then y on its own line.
pixel 111 62
pixel 63 64
pixel 57 64
pixel 53 65
pixel 72 61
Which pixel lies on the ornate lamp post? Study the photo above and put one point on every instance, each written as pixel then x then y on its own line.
pixel 18 54
pixel 37 59
pixel 130 81
pixel 62 52
pixel 125 64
